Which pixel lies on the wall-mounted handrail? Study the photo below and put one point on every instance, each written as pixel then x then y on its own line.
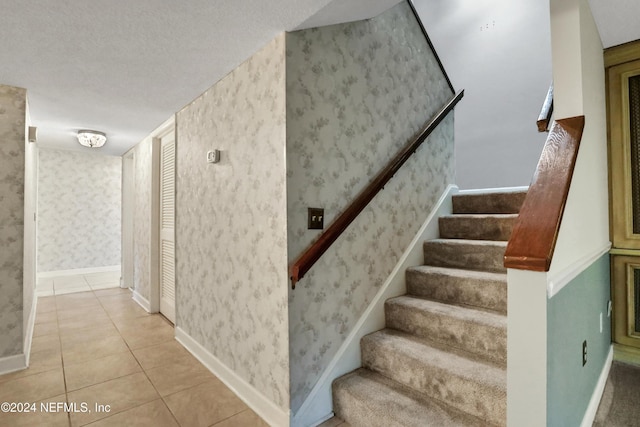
pixel 309 257
pixel 535 232
pixel 544 119
pixel 433 49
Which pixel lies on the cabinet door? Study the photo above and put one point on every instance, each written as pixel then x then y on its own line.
pixel 626 300
pixel 624 145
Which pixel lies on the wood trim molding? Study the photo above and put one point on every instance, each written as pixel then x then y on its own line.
pixel 535 233
pixel 622 53
pixel 622 290
pixel 620 162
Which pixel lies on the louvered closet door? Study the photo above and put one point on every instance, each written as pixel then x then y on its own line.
pixel 167 233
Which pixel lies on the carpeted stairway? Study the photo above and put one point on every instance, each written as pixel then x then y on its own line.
pixel 441 361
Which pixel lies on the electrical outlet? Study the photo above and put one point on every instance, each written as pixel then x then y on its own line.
pixel 584 352
pixel 315 218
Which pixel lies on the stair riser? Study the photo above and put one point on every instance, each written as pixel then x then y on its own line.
pixel 488 342
pixel 495 203
pixel 486 401
pixel 489 294
pixel 470 257
pixel 476 228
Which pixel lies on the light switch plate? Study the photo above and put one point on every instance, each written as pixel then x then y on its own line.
pixel 213 156
pixel 315 219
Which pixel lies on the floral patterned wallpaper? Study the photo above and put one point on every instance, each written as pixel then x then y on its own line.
pixel 142 218
pixel 13 104
pixel 79 210
pixel 231 247
pixel 356 93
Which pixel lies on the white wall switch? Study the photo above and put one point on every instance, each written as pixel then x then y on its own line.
pixel 600 322
pixel 213 156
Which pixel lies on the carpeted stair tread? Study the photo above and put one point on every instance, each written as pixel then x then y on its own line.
pixel 472 386
pixel 366 399
pixel 457 286
pixel 490 202
pixel 441 361
pixel 481 255
pixel 477 226
pixel 476 331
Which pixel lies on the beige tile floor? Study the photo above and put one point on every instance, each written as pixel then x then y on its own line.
pixel 100 348
pixel 61 285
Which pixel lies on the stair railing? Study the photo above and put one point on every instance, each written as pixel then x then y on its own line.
pixel 544 119
pixel 535 232
pixel 340 224
pixel 310 256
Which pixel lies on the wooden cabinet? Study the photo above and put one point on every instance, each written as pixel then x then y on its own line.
pixel 623 109
pixel 625 296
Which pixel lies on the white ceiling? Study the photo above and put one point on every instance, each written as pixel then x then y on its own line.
pixel 123 67
pixel 618 21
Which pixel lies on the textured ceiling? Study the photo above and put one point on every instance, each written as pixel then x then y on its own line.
pixel 123 67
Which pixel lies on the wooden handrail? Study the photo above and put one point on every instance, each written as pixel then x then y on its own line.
pixel 535 232
pixel 309 257
pixel 544 119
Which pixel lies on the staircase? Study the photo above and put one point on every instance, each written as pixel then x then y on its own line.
pixel 441 360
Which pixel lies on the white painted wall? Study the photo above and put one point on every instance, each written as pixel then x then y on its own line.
pixel 578 73
pixel 580 90
pixel 499 52
pixel 30 242
pixel 527 348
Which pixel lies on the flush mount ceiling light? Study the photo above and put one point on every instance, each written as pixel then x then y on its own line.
pixel 91 138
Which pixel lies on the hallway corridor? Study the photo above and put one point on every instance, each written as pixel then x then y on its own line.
pixel 101 348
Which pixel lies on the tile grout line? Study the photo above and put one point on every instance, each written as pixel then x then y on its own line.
pixel 137 361
pixel 230 416
pixel 140 365
pixel 63 369
pixel 64 376
pixel 111 318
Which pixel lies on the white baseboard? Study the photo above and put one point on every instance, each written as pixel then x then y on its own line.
pixel 142 301
pixel 494 190
pixel 558 280
pixel 30 325
pixel 107 269
pixel 262 406
pixel 20 361
pixel 12 364
pixel 592 409
pixel 318 406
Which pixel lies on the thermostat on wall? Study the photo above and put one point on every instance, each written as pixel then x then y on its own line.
pixel 213 156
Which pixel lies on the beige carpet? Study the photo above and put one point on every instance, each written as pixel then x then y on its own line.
pixel 441 360
pixel 620 404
